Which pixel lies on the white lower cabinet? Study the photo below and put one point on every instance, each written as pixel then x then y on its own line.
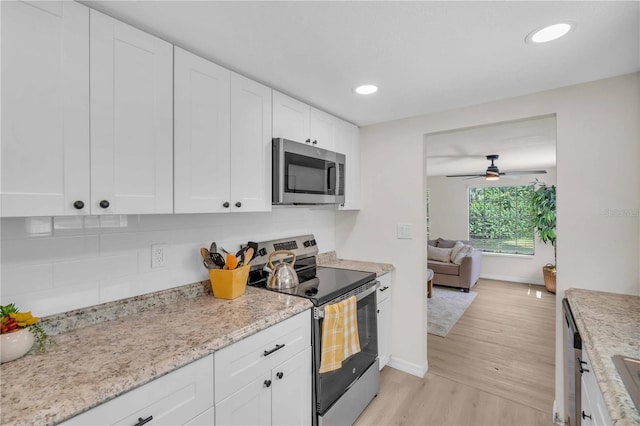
pixel 384 319
pixel 594 410
pixel 184 396
pixel 266 378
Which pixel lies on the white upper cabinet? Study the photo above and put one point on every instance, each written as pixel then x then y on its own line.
pixel 290 118
pixel 322 129
pixel 222 139
pixel 45 108
pixel 202 133
pixel 250 145
pixel 347 143
pixel 300 122
pixel 131 119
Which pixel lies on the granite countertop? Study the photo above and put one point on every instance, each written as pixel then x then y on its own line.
pixel 609 325
pixel 330 259
pixel 108 354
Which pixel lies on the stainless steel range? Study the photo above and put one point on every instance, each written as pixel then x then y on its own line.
pixel 341 395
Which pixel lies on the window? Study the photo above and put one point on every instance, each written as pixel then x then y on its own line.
pixel 500 219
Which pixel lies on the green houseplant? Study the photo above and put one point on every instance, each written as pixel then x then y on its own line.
pixel 543 206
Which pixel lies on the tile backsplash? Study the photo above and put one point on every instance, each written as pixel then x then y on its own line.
pixel 55 264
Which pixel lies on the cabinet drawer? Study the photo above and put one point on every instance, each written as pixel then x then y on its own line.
pixel 384 289
pixel 245 361
pixel 173 399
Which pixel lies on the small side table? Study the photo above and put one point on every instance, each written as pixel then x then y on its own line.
pixel 429 283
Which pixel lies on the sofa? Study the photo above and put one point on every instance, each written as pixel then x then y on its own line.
pixel 463 271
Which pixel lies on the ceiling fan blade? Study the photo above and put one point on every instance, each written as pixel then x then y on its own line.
pixel 525 172
pixel 476 175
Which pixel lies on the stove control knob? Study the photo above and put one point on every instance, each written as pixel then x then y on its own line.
pixel 307 243
pixel 262 252
pixel 313 242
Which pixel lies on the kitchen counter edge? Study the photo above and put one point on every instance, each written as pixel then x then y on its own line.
pixel 608 324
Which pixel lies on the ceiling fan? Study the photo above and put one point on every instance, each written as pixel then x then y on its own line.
pixel 493 173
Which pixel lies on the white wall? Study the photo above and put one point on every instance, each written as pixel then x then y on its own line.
pixel 598 175
pixel 449 218
pixel 81 262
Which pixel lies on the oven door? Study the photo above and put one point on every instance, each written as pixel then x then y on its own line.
pixel 332 385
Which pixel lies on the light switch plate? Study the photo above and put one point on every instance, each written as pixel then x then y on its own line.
pixel 404 231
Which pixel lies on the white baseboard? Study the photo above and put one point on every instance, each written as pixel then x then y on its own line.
pixel 513 279
pixel 409 367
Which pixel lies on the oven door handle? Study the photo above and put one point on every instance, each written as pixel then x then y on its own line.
pixel 319 312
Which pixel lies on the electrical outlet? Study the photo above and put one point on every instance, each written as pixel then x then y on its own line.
pixel 158 252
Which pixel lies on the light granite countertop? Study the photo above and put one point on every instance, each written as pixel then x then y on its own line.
pixel 609 324
pixel 330 259
pixel 122 345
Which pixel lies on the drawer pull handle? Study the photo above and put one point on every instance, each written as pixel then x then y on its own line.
pixel 267 353
pixel 280 375
pixel 267 383
pixel 582 370
pixel 384 288
pixel 585 416
pixel 142 421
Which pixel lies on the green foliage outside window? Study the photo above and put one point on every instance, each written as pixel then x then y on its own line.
pixel 500 219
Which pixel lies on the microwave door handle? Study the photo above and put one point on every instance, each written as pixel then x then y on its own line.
pixel 330 169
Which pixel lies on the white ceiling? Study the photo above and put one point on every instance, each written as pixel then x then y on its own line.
pixel 424 56
pixel 522 145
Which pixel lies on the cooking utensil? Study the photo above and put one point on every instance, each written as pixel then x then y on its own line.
pixel 213 248
pixel 254 246
pixel 282 276
pixel 232 261
pixel 248 255
pixel 206 259
pixel 217 259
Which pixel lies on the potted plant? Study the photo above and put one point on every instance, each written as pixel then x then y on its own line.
pixel 18 332
pixel 543 206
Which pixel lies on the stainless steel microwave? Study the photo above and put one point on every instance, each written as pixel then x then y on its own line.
pixel 306 174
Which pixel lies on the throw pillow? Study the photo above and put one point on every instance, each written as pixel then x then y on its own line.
pixel 441 254
pixel 456 249
pixel 461 254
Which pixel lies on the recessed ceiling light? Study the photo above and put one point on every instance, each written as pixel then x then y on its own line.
pixel 366 89
pixel 548 33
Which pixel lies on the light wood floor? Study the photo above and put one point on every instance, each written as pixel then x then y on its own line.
pixel 495 367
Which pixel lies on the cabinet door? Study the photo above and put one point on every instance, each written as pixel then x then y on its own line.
pixel 250 145
pixel 251 405
pixel 291 394
pixel 290 118
pixel 202 131
pixel 45 108
pixel 322 129
pixel 131 119
pixel 384 332
pixel 347 142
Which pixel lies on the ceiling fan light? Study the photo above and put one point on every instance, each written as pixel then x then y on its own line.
pixel 492 177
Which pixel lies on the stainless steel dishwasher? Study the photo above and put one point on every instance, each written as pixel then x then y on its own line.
pixel 572 368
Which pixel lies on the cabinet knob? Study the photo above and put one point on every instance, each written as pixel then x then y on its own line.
pixel 238 204
pixel 104 204
pixel 226 205
pixel 267 383
pixel 308 141
pixel 378 311
pixel 279 374
pixel 315 142
pixel 78 205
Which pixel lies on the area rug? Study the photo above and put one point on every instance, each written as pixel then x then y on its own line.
pixel 445 308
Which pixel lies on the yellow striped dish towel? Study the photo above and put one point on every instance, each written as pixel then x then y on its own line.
pixel 340 337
